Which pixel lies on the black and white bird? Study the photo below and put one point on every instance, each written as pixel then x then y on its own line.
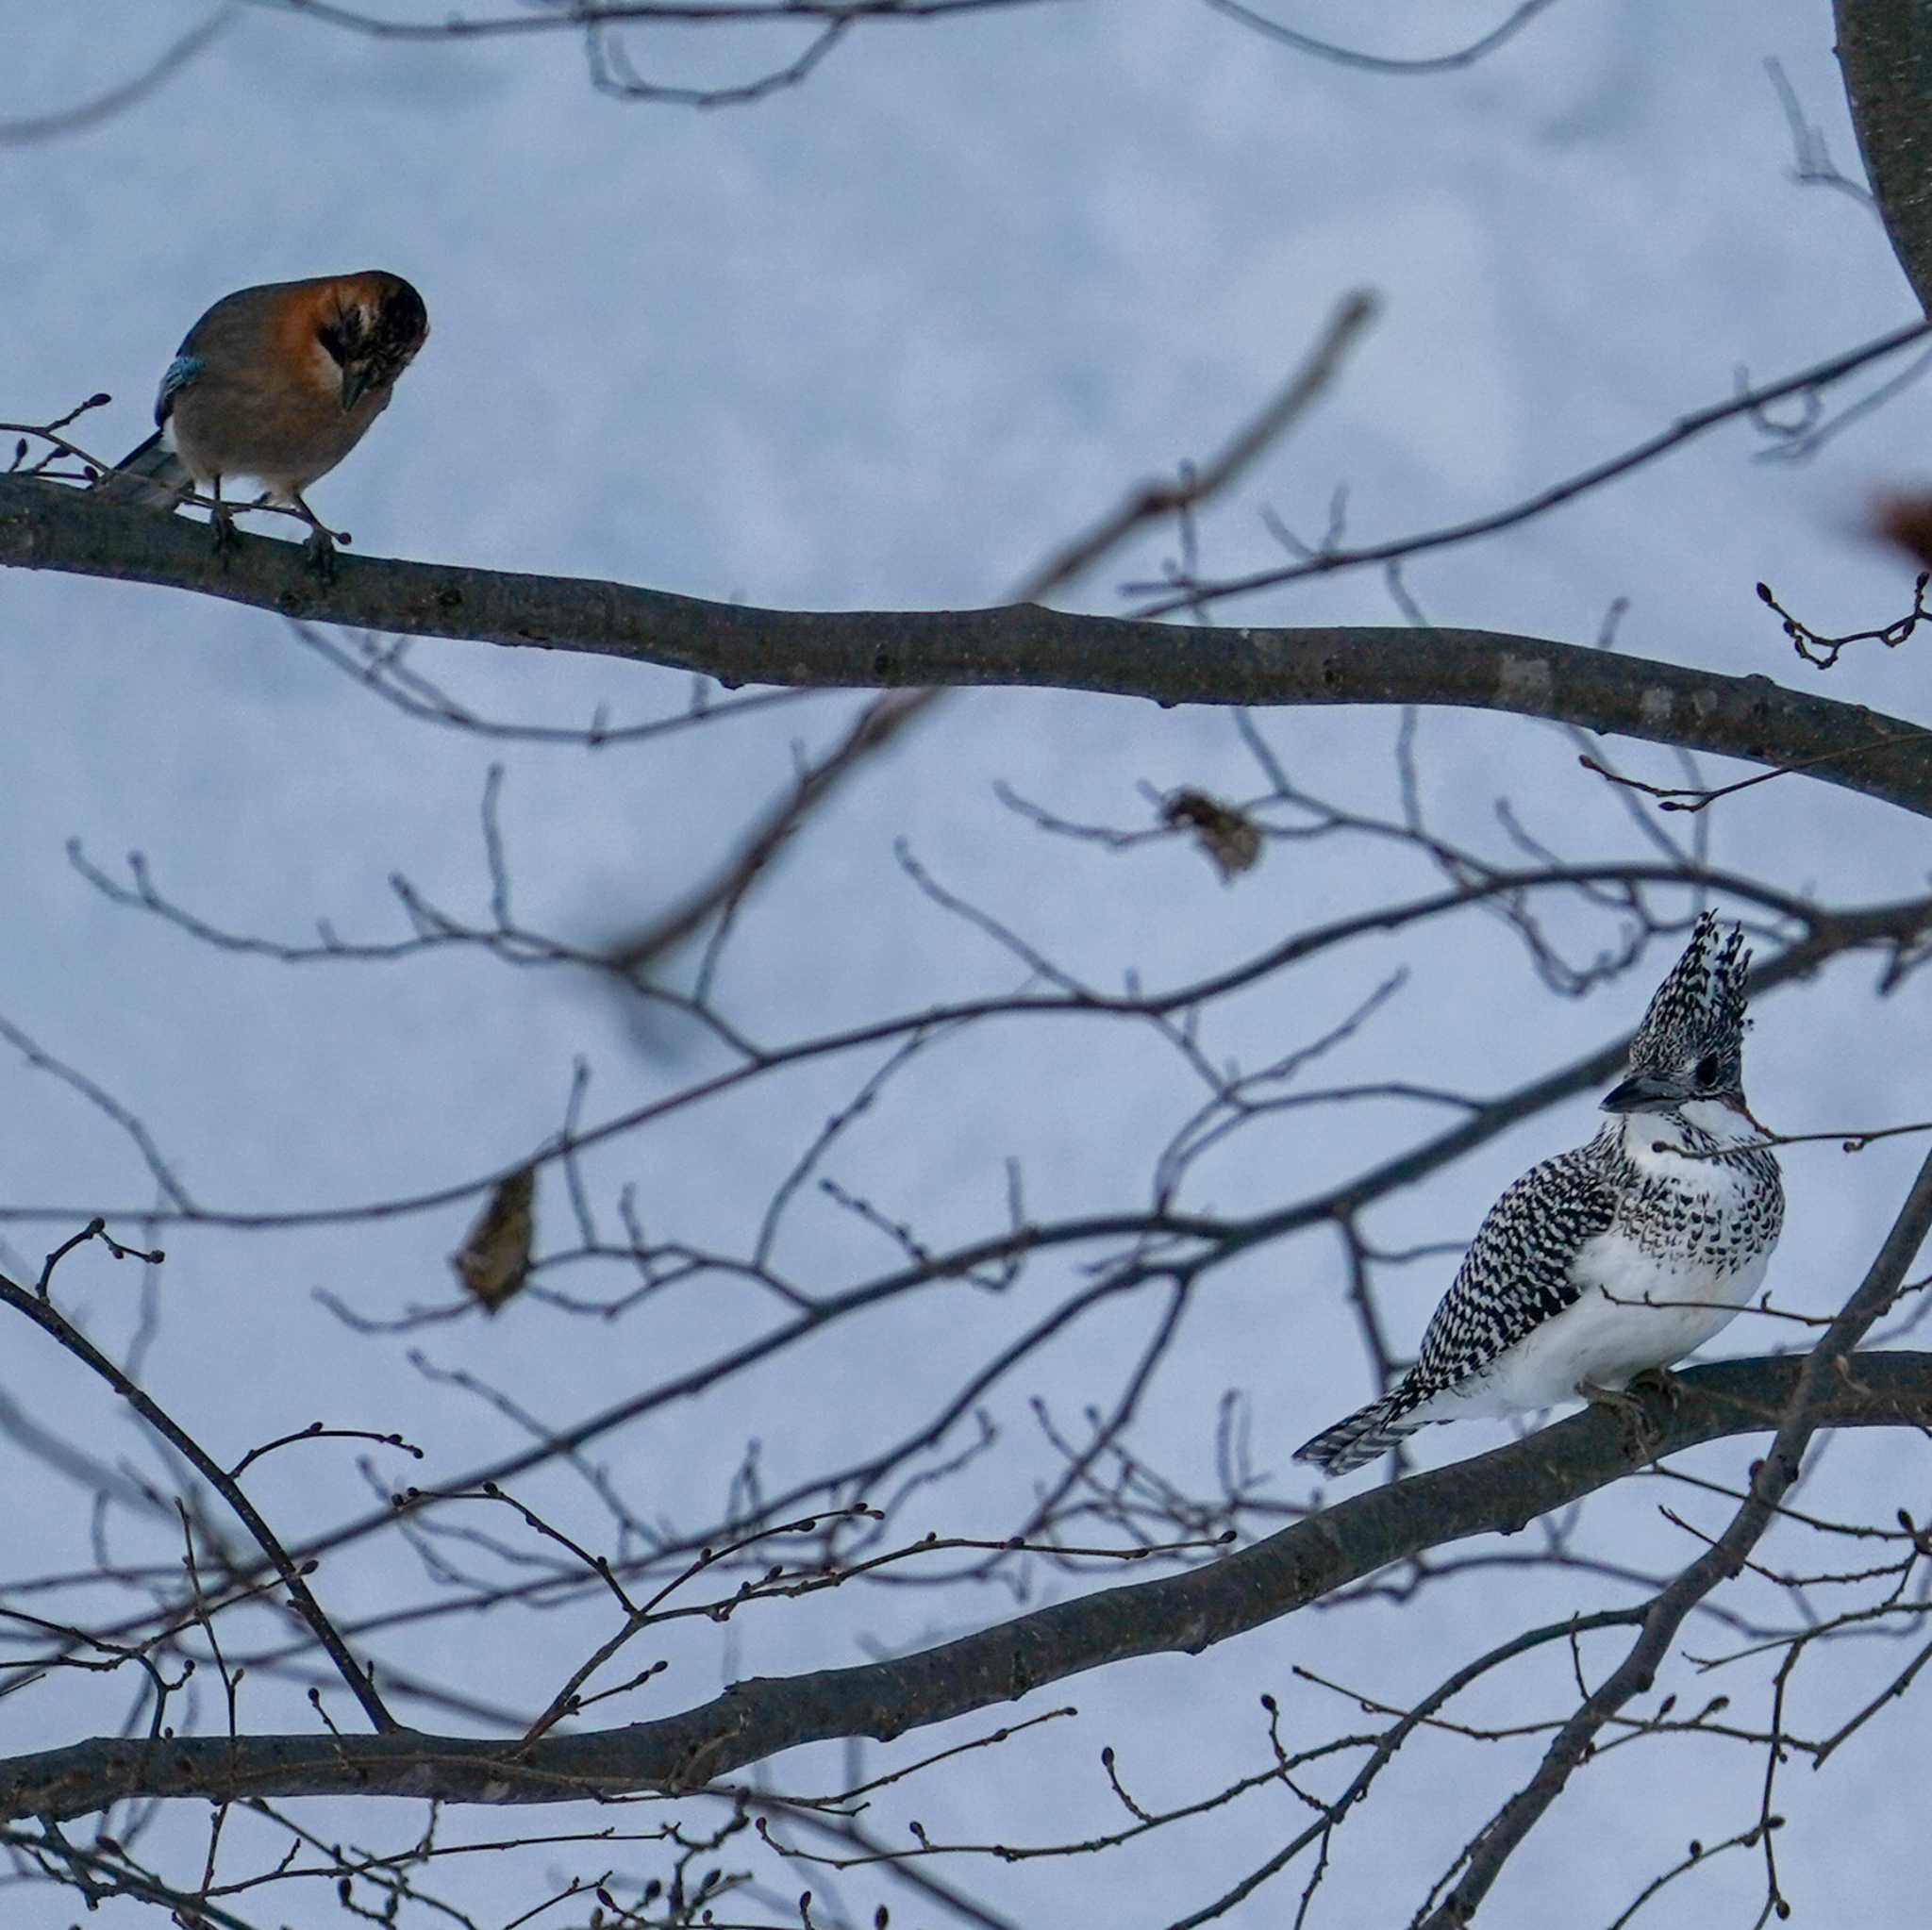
pixel 1619 1258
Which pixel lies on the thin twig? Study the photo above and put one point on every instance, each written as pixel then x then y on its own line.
pixel 51 1321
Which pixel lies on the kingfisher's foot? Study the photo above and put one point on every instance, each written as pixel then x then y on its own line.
pixel 1641 1436
pixel 1661 1380
pixel 222 524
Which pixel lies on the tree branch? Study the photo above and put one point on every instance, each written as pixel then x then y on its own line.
pixel 627 12
pixel 1798 1419
pixel 48 526
pixel 1884 50
pixel 1497 1492
pixel 124 95
pixel 40 1310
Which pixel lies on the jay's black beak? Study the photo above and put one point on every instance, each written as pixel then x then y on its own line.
pixel 357 379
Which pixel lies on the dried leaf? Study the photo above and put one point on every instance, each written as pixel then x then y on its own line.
pixel 1231 838
pixel 1906 521
pixel 494 1259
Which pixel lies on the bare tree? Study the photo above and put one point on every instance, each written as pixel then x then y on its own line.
pixel 294 1658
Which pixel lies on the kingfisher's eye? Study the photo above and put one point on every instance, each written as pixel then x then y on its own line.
pixel 1708 1070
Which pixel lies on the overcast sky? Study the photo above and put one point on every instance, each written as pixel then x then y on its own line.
pixel 880 341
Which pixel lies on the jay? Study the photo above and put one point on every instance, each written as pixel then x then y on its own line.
pixel 279 383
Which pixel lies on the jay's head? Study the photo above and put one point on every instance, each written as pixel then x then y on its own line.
pixel 370 326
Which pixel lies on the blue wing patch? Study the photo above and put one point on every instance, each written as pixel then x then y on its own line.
pixel 181 371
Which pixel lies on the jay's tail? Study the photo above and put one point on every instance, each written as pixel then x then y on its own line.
pixel 152 477
pixel 1367 1433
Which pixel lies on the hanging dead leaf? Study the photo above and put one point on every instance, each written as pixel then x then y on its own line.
pixel 1906 521
pixel 494 1259
pixel 1231 838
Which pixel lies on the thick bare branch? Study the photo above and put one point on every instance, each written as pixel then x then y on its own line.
pixel 1885 48
pixel 1497 1492
pixel 46 525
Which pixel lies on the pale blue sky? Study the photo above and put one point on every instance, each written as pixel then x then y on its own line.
pixel 881 342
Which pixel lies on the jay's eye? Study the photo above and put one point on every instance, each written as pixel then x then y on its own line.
pixel 1708 1070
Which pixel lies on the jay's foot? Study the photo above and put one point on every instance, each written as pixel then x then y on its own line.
pixel 319 553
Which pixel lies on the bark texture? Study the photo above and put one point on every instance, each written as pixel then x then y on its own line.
pixel 1496 1492
pixel 46 525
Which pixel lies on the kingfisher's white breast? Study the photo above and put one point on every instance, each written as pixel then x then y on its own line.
pixel 1632 1316
pixel 1687 1249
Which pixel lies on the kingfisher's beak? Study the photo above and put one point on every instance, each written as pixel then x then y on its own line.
pixel 357 378
pixel 1643 1093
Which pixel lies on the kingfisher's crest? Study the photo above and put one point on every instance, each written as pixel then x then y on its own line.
pixel 1697 1013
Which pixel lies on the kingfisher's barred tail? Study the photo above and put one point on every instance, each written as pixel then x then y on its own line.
pixel 1352 1443
pixel 151 476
